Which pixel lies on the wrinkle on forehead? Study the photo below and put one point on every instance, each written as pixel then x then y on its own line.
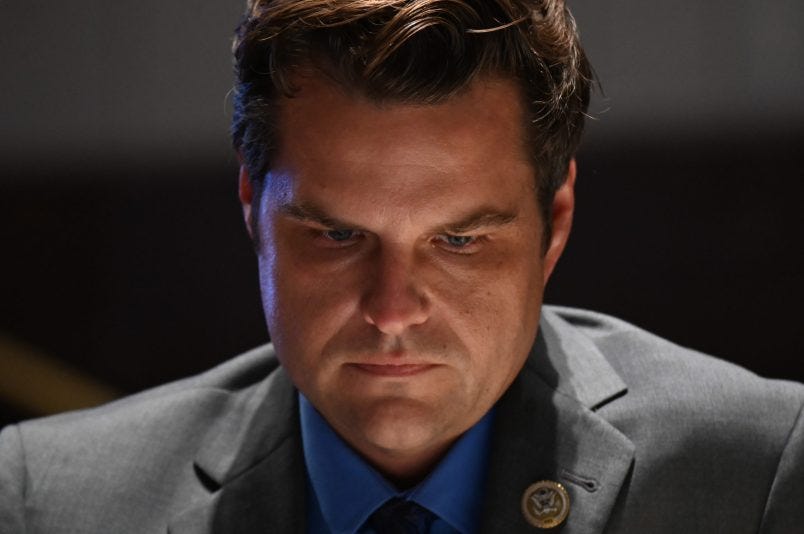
pixel 492 103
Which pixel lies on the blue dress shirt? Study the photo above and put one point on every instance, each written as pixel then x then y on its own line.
pixel 343 490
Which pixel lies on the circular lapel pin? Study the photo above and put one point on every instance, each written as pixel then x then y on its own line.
pixel 545 504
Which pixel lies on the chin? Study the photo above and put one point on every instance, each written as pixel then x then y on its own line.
pixel 398 425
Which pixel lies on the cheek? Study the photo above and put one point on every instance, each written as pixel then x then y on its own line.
pixel 304 304
pixel 495 291
pixel 495 311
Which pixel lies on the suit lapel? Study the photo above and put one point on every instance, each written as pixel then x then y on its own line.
pixel 546 429
pixel 251 466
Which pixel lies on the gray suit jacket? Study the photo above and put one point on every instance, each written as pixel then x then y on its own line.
pixel 646 437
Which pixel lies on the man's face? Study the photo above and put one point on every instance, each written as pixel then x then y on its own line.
pixel 401 261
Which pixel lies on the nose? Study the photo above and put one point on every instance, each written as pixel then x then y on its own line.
pixel 394 300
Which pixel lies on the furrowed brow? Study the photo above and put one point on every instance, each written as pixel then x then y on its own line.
pixel 480 219
pixel 310 213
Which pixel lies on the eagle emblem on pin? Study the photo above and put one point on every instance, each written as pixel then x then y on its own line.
pixel 545 504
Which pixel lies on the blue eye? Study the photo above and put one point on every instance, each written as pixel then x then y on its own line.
pixel 339 235
pixel 458 241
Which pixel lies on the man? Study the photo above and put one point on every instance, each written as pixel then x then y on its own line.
pixel 407 179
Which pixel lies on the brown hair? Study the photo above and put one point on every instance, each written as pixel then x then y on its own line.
pixel 414 51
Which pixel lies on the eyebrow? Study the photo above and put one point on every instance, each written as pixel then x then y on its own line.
pixel 481 218
pixel 309 212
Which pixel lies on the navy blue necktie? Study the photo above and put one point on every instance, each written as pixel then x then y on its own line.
pixel 398 516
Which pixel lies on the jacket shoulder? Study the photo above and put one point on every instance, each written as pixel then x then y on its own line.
pixel 235 375
pixel 648 363
pixel 91 459
pixel 161 412
pixel 709 436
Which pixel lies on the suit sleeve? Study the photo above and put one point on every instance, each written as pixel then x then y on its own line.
pixel 12 481
pixel 784 510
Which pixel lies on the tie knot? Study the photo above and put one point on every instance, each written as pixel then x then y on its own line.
pixel 400 516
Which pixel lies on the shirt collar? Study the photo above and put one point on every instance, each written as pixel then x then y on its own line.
pixel 348 490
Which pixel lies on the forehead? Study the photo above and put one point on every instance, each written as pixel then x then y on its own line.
pixel 326 119
pixel 397 168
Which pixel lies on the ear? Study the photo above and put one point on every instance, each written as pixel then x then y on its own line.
pixel 246 194
pixel 563 209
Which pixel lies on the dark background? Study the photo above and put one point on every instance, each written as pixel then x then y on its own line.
pixel 123 252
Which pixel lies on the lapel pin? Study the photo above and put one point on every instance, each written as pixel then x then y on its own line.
pixel 545 504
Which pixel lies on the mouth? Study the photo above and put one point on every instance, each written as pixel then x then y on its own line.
pixel 393 370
